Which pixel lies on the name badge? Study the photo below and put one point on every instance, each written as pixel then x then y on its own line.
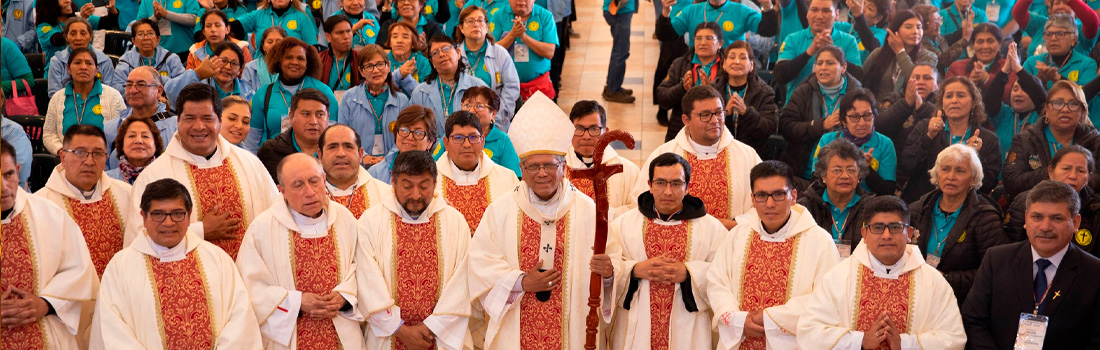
pixel 522 53
pixel 993 11
pixel 284 123
pixel 376 150
pixel 933 260
pixel 165 27
pixel 844 249
pixel 1032 332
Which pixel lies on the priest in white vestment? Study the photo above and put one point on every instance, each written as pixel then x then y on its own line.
pixel 46 270
pixel 590 122
pixel 468 178
pixel 884 296
pixel 298 261
pixel 170 289
pixel 348 182
pixel 762 275
pixel 417 245
pixel 531 257
pixel 668 244
pixel 719 162
pixel 229 185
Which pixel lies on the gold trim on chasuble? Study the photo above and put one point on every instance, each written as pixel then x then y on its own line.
pixel 179 289
pixel 543 325
pixel 673 241
pixel 471 201
pixel 317 273
pixel 19 269
pixel 712 183
pixel 101 224
pixel 581 183
pixel 219 186
pixel 875 295
pixel 417 283
pixel 357 202
pixel 767 273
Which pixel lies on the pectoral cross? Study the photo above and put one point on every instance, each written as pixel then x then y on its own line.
pixel 599 173
pixel 1057 294
pixel 547 248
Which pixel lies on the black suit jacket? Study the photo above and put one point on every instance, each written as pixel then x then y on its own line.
pixel 1003 289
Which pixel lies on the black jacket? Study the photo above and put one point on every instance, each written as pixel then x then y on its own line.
pixel 693 209
pixel 896 119
pixel 274 150
pixel 801 122
pixel 1090 220
pixel 1028 158
pixel 671 91
pixel 1003 289
pixel 920 156
pixel 761 115
pixel 977 228
pixel 812 198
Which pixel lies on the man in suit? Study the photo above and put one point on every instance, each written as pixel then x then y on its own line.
pixel 1059 285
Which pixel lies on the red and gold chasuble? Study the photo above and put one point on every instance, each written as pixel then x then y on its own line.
pixel 766 279
pixel 219 186
pixel 582 183
pixel 357 202
pixel 417 269
pixel 471 201
pixel 19 269
pixel 316 270
pixel 186 316
pixel 671 241
pixel 101 224
pixel 712 183
pixel 875 295
pixel 542 324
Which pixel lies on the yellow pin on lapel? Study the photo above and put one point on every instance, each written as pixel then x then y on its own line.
pixel 1057 294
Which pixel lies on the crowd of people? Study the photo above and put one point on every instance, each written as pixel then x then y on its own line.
pixel 351 174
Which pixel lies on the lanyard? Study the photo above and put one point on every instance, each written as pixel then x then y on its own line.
pixel 1040 301
pixel 951 138
pixel 377 116
pixel 448 102
pixel 1050 60
pixel 825 105
pixel 283 96
pixel 716 20
pixel 729 95
pixel 940 230
pixel 81 106
pixel 343 69
pixel 837 228
pixel 473 67
pixel 713 71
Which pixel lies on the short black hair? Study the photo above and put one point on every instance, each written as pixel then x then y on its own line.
pixel 413 163
pixel 214 12
pixel 331 22
pixel 670 159
pixel 769 168
pixel 1050 191
pixel 461 118
pixel 697 93
pixel 308 94
pixel 146 21
pixel 7 148
pixel 321 140
pixel 226 45
pixel 885 204
pixel 713 26
pixel 86 130
pixel 82 51
pixel 848 103
pixel 165 189
pixel 845 150
pixel 1070 149
pixel 199 92
pixel 586 107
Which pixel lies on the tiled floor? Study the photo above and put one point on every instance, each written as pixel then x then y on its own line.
pixel 585 74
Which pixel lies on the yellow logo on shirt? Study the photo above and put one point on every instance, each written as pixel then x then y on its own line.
pixel 1083 237
pixel 164 73
pixel 392 124
pixel 370 32
pixel 727 26
pixel 782 46
pixel 177 4
pixel 428 9
pixel 46 29
pixel 98 109
pixel 861 48
pixel 494 11
pixel 18 14
pixel 316 4
pixel 347 77
pixel 492 26
pixel 99 75
pixel 292 24
pixel 489 152
pixel 534 26
pixel 1073 75
pixel 961 238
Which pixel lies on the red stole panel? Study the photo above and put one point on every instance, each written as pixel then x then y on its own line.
pixel 673 242
pixel 219 186
pixel 711 182
pixel 316 263
pixel 471 201
pixel 582 184
pixel 876 295
pixel 766 277
pixel 19 269
pixel 542 324
pixel 186 314
pixel 417 264
pixel 358 202
pixel 101 224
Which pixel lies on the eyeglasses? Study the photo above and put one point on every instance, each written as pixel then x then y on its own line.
pixel 1058 105
pixel 377 66
pixel 708 116
pixel 666 184
pixel 706 38
pixel 143 35
pixel 474 21
pixel 1056 35
pixel 878 228
pixel 841 171
pixel 408 1
pixel 442 50
pixel 159 216
pixel 475 106
pixel 865 116
pixel 141 85
pixel 536 168
pixel 232 64
pixel 82 154
pixel 460 139
pixel 778 196
pixel 593 131
pixel 416 135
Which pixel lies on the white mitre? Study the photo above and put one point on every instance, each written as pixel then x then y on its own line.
pixel 541 127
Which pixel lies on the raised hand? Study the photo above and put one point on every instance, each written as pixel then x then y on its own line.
pixel 974 141
pixel 935 125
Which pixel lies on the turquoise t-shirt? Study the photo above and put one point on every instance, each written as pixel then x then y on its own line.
pixel 840 215
pixel 952 21
pixel 882 149
pixel 478 68
pixel 84 110
pixel 1036 26
pixel 1007 126
pixel 271 121
pixel 365 36
pixel 540 26
pixel 15 64
pixel 1078 68
pixel 797 43
pixel 298 24
pixel 941 228
pixel 734 18
pixel 180 37
pixel 340 74
pixel 423 65
pixel 1052 144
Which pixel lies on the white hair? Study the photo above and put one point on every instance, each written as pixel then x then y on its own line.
pixel 958 153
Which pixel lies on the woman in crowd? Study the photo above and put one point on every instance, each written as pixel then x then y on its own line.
pixel 146 52
pixel 699 67
pixel 414 14
pixel 957 224
pixel 288 14
pixel 835 198
pixel 814 108
pixel 364 25
pixel 84 100
pixel 442 90
pixel 295 64
pixel 409 66
pixel 1061 61
pixel 181 16
pixel 858 127
pixel 946 51
pixel 985 42
pixel 751 113
pixel 140 142
pixel 1033 24
pixel 488 62
pixel 78 33
pixel 414 130
pixel 1025 95
pixel 483 102
pixel 901 110
pixel 16 68
pixel 1074 166
pixel 51 18
pixel 369 108
pixel 214 25
pixel 233 9
pixel 220 71
pixel 236 113
pixel 898 57
pixel 867 23
pixel 256 72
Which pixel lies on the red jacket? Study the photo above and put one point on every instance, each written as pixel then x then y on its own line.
pixel 328 61
pixel 963 67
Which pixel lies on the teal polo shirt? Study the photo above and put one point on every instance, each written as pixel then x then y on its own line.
pixel 15 64
pixel 1036 26
pixel 1079 68
pixel 941 228
pixel 998 11
pixel 423 65
pixel 296 23
pixel 1052 143
pixel 340 74
pixel 84 110
pixel 628 7
pixel 840 215
pixel 734 18
pixel 366 35
pixel 707 69
pixel 181 36
pixel 797 43
pixel 882 150
pixel 478 67
pixel 1008 126
pixel 880 34
pixel 270 120
pixel 952 20
pixel 540 26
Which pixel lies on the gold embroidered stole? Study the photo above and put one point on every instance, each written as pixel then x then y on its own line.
pixel 357 202
pixel 219 186
pixel 19 269
pixel 316 263
pixel 101 224
pixel 766 277
pixel 711 182
pixel 186 314
pixel 543 324
pixel 417 269
pixel 471 201
pixel 673 241
pixel 875 295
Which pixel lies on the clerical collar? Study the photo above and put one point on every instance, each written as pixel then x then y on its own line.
pixel 203 160
pixel 89 195
pixel 463 177
pixel 548 207
pixel 692 208
pixel 889 272
pixel 167 255
pixel 588 161
pixel 779 235
pixel 4 216
pixel 704 152
pixel 418 219
pixel 311 227
pixel 341 192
